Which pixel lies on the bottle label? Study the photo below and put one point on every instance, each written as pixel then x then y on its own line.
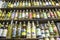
pixel 38 31
pixel 49 3
pixel 26 3
pixel 4 33
pixel 19 31
pixel 23 15
pixel 14 32
pixel 45 15
pixel 1 31
pixel 23 32
pixel 26 14
pixel 51 29
pixel 20 15
pixel 13 15
pixel 30 15
pixel 16 15
pixel 38 16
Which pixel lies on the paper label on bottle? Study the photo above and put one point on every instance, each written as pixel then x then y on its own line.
pixel 15 4
pixel 1 31
pixel 40 3
pixel 38 31
pixel 16 15
pixel 38 16
pixel 13 15
pixel 4 33
pixel 23 15
pixel 26 15
pixel 26 3
pixel 51 29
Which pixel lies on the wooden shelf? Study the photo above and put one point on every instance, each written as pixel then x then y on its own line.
pixel 41 7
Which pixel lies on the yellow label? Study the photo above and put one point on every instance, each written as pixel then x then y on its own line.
pixel 23 33
pixel 34 15
pixel 53 3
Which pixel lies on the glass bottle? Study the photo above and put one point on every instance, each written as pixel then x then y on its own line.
pixel 23 14
pixel 40 2
pixel 50 4
pixel 20 14
pixel 24 30
pixel 13 15
pixel 29 3
pixel 38 30
pixel 37 14
pixel 44 14
pixel 47 3
pixel 26 14
pixel 48 14
pixel 26 3
pixel 16 15
pixel 55 14
pixel 41 14
pixel 29 30
pixel 30 14
pixel 14 30
pixel 46 38
pixel 21 4
pixel 19 30
pixel 33 30
pixel 34 14
pixel 9 33
pixel 43 2
pixel 37 2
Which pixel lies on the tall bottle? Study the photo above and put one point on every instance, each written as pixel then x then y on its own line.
pixel 40 2
pixel 23 4
pixel 37 2
pixel 16 15
pixel 38 30
pixel 33 30
pixel 9 34
pixel 49 2
pixel 19 30
pixel 24 30
pixel 26 3
pixel 53 3
pixel 29 3
pixel 29 30
pixel 14 30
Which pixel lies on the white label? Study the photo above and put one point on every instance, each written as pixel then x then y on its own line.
pixel 1 31
pixel 4 33
pixel 23 15
pixel 47 3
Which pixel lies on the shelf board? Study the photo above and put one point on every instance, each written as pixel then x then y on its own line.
pixel 41 20
pixel 41 7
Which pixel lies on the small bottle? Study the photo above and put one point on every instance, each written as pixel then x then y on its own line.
pixel 37 14
pixel 50 4
pixel 57 2
pixel 44 14
pixel 29 3
pixel 47 3
pixel 30 14
pixel 40 3
pixel 13 15
pixel 48 14
pixel 53 3
pixel 26 14
pixel 37 2
pixel 26 3
pixel 21 4
pixel 23 14
pixel 29 30
pixel 20 14
pixel 41 14
pixel 43 2
pixel 55 14
pixel 16 15
pixel 34 14
pixel 33 30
